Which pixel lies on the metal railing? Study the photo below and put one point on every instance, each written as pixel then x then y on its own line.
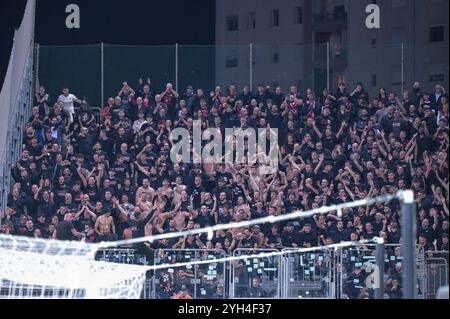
pixel 343 273
pixel 255 277
pixel 358 271
pixel 309 275
pixel 205 281
pixel 436 271
pixel 17 113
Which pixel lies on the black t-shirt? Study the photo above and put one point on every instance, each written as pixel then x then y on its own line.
pixel 249 242
pixel 64 230
pixel 310 238
pixel 196 192
pixel 237 191
pixel 274 238
pixel 204 220
pixel 224 219
pixel 291 206
pixel 289 238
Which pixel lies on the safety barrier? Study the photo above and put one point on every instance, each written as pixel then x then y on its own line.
pixel 255 277
pixel 309 274
pixel 205 281
pixel 436 271
pixel 358 272
pixel 344 273
pixel 121 256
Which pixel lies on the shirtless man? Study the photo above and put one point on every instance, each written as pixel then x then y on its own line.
pixel 145 188
pixel 160 219
pixel 143 203
pixel 165 189
pixel 180 219
pixel 178 189
pixel 105 225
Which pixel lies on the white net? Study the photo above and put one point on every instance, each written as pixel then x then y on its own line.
pixel 35 268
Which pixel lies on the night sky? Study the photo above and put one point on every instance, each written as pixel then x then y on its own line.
pixel 145 22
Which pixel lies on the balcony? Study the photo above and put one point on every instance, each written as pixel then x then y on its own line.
pixel 326 22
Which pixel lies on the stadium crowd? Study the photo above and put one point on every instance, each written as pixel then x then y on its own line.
pixel 110 177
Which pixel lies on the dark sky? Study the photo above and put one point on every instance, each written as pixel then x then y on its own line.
pixel 149 22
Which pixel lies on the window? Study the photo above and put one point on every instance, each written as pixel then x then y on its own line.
pixel 374 79
pixel 437 78
pixel 275 18
pixel 396 76
pixel 437 33
pixel 232 60
pixel 232 23
pixel 275 55
pixel 251 20
pixel 298 15
pixel 436 73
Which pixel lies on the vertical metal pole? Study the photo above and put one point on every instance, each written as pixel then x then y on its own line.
pixel 251 66
pixel 102 59
pixel 409 245
pixel 379 280
pixel 403 68
pixel 176 67
pixel 328 65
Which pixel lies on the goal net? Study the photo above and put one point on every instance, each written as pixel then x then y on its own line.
pixel 36 268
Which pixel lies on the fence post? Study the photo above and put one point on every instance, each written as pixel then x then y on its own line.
pixel 328 65
pixel 251 67
pixel 102 59
pixel 409 244
pixel 379 291
pixel 176 67
pixel 403 68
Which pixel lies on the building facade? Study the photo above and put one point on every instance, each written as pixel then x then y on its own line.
pixel 320 43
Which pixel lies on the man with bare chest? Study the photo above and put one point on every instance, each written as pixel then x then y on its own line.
pixel 104 225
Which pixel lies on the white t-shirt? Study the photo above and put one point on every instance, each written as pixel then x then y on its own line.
pixel 68 102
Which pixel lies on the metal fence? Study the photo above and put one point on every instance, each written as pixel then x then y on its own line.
pixel 436 271
pixel 256 277
pixel 358 272
pixel 309 275
pixel 121 256
pixel 346 273
pixel 96 72
pixel 205 281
